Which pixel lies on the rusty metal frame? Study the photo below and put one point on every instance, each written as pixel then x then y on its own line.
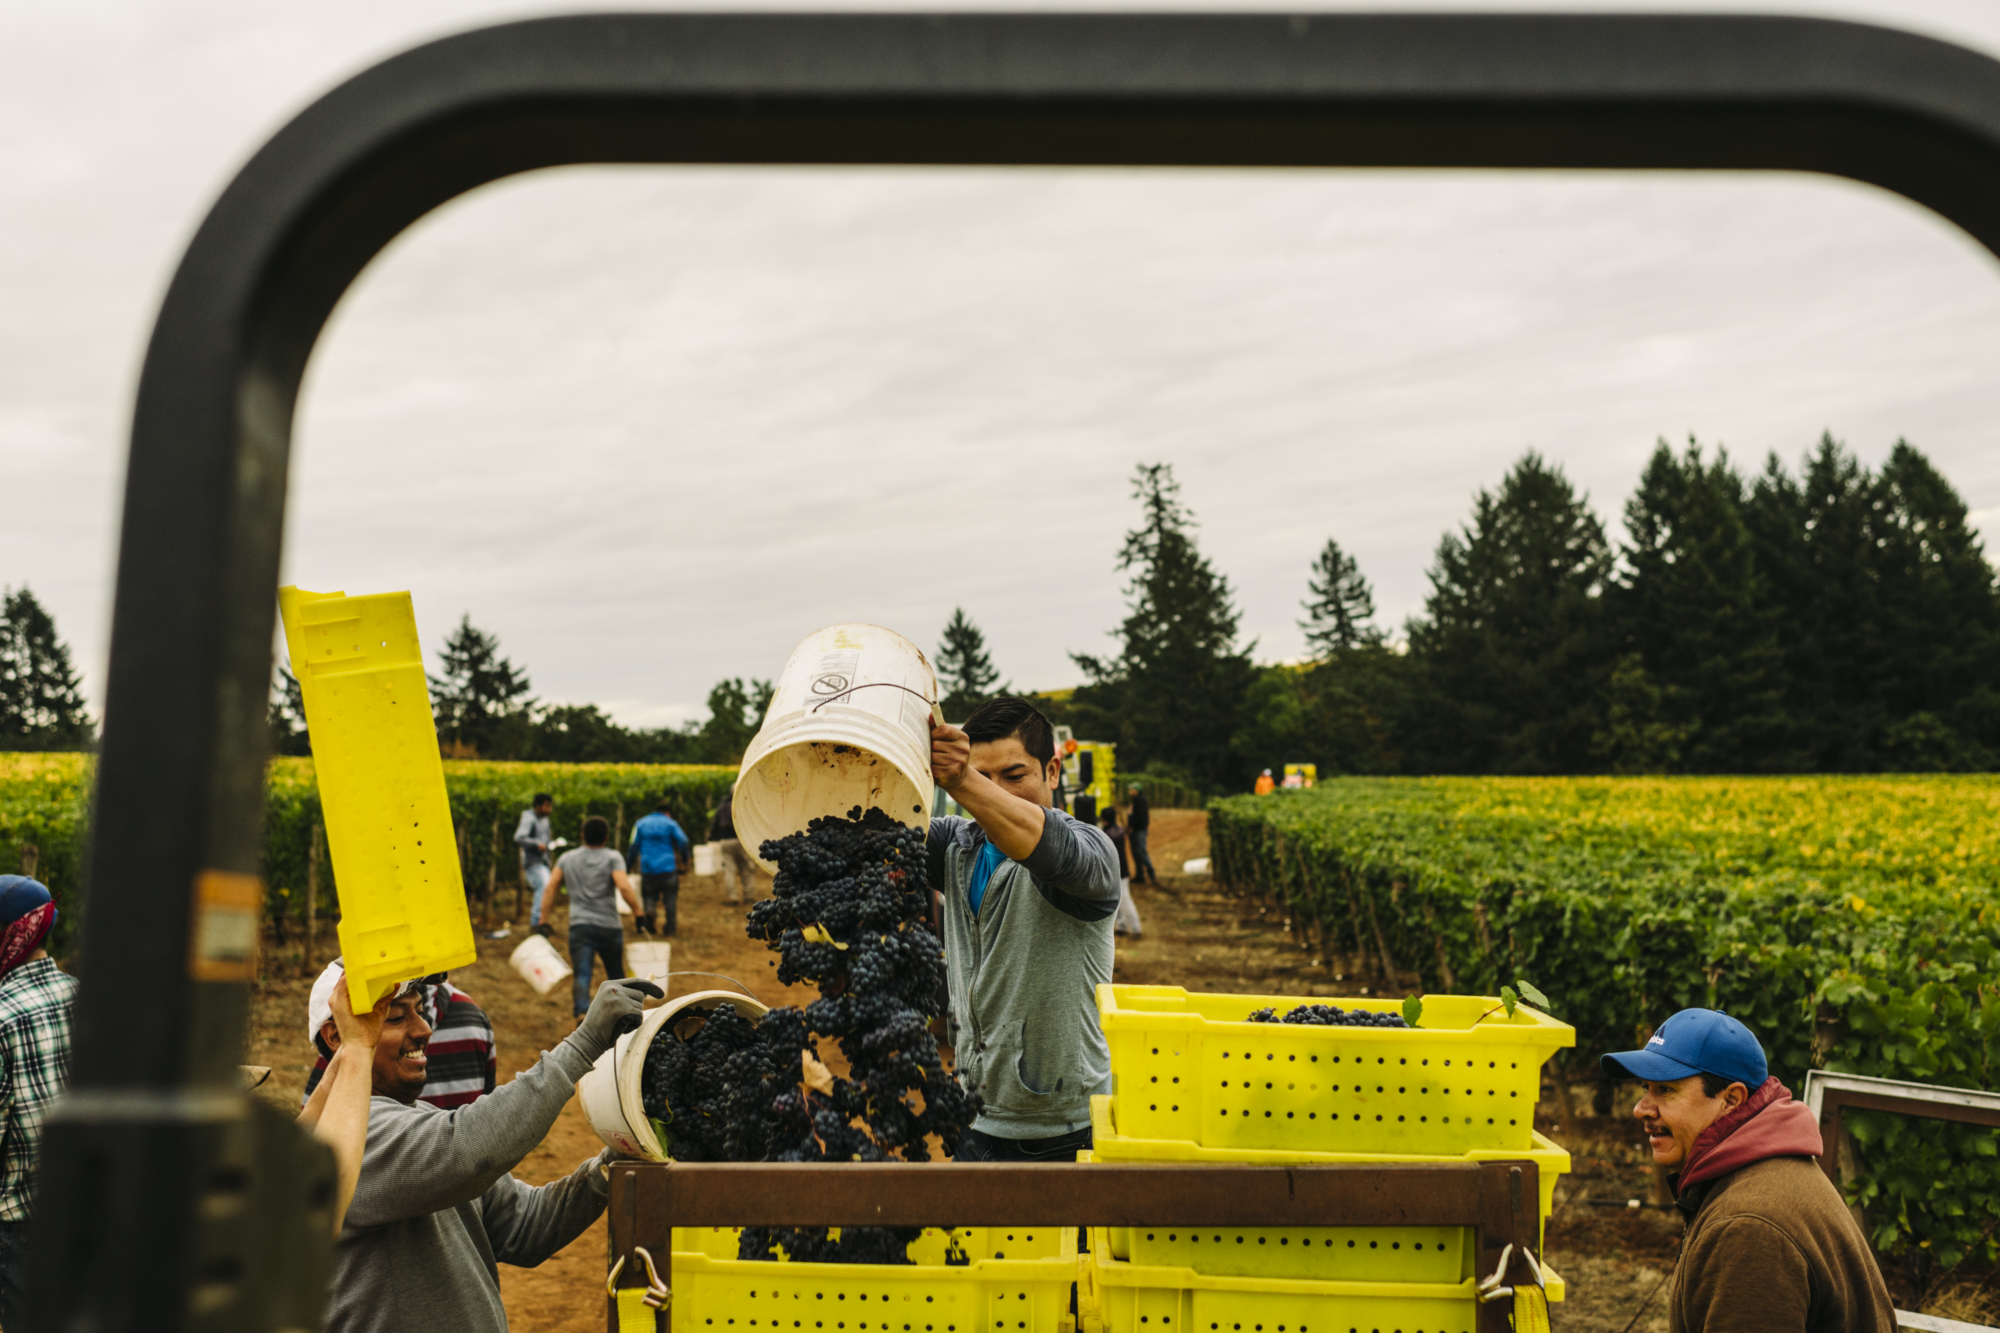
pixel 1499 1199
pixel 158 1209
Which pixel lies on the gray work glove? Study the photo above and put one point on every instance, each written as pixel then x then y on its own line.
pixel 613 1013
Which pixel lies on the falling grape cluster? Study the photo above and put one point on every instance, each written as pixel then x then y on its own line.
pixel 1331 1016
pixel 849 912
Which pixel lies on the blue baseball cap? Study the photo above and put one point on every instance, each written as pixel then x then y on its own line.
pixel 1694 1041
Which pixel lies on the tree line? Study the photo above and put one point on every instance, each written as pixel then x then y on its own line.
pixel 1834 620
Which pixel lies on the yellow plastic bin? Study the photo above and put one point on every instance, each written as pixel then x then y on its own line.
pixel 381 787
pixel 1194 1068
pixel 969 1280
pixel 1400 1254
pixel 1119 1297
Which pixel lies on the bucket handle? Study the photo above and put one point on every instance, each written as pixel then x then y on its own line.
pixel 937 714
pixel 718 976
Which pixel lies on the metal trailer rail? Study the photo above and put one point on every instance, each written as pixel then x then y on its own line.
pixel 1498 1199
pixel 167 1201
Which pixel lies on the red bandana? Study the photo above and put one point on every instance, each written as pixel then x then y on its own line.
pixel 24 936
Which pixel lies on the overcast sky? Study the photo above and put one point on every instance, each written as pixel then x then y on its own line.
pixel 652 426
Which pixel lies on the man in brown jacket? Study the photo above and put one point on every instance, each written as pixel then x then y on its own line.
pixel 1769 1244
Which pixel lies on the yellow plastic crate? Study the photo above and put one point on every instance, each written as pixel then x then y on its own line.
pixel 381 787
pixel 969 1280
pixel 1114 1296
pixel 1194 1068
pixel 1392 1254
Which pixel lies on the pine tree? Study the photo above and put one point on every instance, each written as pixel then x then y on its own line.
pixel 965 669
pixel 288 715
pixel 1512 643
pixel 735 712
pixel 1341 606
pixel 1176 690
pixel 479 694
pixel 41 696
pixel 1703 683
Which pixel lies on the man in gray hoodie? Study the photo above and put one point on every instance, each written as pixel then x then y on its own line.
pixel 1028 895
pixel 436 1210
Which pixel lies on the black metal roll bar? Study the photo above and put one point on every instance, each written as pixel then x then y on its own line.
pixel 167 1201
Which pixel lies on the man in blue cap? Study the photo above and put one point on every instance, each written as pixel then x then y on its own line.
pixel 37 999
pixel 1769 1245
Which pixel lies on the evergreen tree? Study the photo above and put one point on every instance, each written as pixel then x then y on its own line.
pixel 1940 636
pixel 481 701
pixel 1512 643
pixel 1341 605
pixel 1701 687
pixel 288 715
pixel 1175 692
pixel 735 712
pixel 41 696
pixel 965 670
pixel 1815 549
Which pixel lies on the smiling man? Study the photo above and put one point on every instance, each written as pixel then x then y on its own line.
pixel 1769 1245
pixel 436 1209
pixel 1028 896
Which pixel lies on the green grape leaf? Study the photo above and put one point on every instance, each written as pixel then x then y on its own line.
pixel 1509 1000
pixel 1413 1009
pixel 1532 996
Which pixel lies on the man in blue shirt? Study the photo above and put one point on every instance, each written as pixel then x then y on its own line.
pixel 660 847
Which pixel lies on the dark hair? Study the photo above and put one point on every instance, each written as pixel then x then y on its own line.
pixel 1110 817
pixel 595 830
pixel 997 719
pixel 543 798
pixel 663 807
pixel 1713 1084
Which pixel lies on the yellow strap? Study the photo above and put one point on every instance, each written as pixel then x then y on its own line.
pixel 634 1315
pixel 1531 1311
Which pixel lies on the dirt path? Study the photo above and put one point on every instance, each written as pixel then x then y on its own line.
pixel 1196 936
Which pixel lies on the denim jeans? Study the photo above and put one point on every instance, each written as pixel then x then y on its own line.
pixel 1142 863
pixel 606 942
pixel 13 1272
pixel 536 877
pixel 665 890
pixel 973 1146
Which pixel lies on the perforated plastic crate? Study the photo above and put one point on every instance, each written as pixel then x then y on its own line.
pixel 970 1280
pixel 1396 1254
pixel 1114 1296
pixel 1194 1068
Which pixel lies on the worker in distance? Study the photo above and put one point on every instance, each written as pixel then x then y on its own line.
pixel 1770 1245
pixel 1028 895
pixel 436 1209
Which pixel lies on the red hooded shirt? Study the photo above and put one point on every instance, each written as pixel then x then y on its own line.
pixel 1769 1124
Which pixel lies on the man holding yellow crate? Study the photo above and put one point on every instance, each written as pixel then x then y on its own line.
pixel 436 1209
pixel 1028 894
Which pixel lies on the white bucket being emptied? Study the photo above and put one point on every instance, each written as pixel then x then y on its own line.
pixel 610 1091
pixel 849 724
pixel 539 964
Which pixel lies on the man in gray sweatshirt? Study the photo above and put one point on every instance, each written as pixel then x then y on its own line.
pixel 1028 895
pixel 436 1210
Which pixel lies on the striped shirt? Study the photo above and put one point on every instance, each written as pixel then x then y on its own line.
pixel 464 1059
pixel 37 1000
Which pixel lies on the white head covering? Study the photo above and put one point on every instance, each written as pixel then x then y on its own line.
pixel 319 1008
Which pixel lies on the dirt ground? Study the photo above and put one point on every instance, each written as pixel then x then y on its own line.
pixel 1195 936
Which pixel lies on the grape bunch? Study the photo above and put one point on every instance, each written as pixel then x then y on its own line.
pixel 1330 1016
pixel 849 912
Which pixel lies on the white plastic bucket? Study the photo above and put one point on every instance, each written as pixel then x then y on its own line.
pixel 849 724
pixel 610 1091
pixel 708 858
pixel 649 959
pixel 539 964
